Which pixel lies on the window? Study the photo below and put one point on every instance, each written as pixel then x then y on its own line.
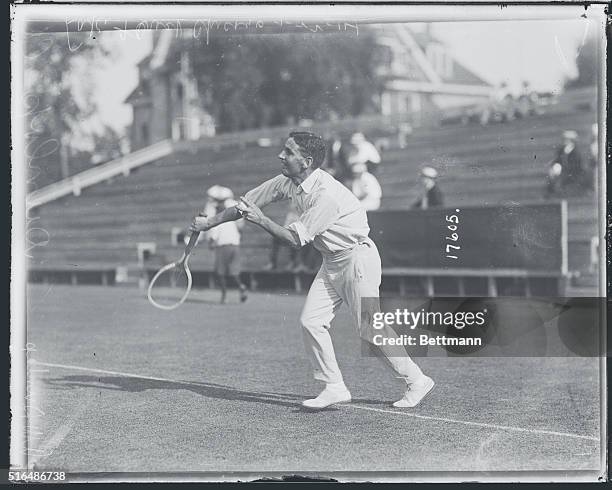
pixel 145 88
pixel 439 59
pixel 144 133
pixel 385 55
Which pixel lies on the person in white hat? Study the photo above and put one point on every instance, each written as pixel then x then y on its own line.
pixel 362 151
pixel 566 171
pixel 225 240
pixel 216 195
pixel 430 195
pixel 335 222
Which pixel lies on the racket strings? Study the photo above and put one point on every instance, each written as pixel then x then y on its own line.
pixel 169 287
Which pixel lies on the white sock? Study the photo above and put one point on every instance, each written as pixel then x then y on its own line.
pixel 336 386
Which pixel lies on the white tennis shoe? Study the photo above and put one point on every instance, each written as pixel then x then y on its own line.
pixel 332 394
pixel 415 393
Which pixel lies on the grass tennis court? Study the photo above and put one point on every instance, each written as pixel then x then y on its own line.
pixel 119 386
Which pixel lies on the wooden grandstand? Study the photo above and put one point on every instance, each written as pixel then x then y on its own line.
pixel 95 233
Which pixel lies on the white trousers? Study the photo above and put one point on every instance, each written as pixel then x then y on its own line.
pixel 347 277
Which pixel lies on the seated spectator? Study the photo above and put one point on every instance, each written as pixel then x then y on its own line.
pixel 528 102
pixel 362 151
pixel 566 171
pixel 500 106
pixel 431 195
pixel 365 187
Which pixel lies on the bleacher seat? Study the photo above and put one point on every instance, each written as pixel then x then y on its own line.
pixel 478 166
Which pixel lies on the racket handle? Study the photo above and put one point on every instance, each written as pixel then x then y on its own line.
pixel 192 241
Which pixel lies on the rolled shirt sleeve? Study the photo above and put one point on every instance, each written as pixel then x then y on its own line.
pixel 316 220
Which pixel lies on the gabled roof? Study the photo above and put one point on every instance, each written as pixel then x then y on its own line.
pixel 139 94
pixel 461 75
pixel 145 60
pixel 141 91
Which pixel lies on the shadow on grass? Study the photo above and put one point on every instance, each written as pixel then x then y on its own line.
pixel 208 390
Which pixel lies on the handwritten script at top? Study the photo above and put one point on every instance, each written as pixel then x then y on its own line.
pixel 198 28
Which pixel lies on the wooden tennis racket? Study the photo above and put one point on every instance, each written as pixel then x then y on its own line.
pixel 171 285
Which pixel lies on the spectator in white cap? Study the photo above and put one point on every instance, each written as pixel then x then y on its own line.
pixel 216 195
pixel 362 151
pixel 365 187
pixel 431 195
pixel 566 171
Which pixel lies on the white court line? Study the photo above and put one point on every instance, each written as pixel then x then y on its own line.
pixel 479 424
pixel 483 425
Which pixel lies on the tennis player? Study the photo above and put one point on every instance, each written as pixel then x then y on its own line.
pixel 333 219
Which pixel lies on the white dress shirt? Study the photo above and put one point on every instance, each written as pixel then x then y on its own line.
pixel 330 216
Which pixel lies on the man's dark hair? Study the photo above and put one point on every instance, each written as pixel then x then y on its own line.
pixel 310 145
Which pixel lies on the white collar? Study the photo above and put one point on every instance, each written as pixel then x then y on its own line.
pixel 310 181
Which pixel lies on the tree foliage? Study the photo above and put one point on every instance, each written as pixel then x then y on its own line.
pixel 262 80
pixel 587 64
pixel 58 99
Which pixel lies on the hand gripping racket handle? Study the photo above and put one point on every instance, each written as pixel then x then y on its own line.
pixel 192 241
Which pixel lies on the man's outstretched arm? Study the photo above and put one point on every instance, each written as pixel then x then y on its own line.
pixel 204 223
pixel 253 214
pixel 270 191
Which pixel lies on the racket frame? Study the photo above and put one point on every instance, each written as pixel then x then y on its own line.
pixel 184 262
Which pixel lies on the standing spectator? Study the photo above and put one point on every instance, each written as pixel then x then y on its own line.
pixel 362 151
pixel 431 195
pixel 566 171
pixel 225 240
pixel 365 187
pixel 215 197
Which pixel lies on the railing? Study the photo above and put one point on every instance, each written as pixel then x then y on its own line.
pixel 120 166
pixel 123 165
pixel 370 125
